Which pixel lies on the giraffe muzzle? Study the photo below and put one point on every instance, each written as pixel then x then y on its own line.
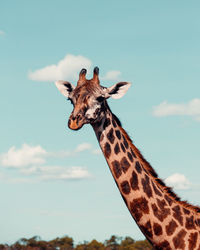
pixel 76 122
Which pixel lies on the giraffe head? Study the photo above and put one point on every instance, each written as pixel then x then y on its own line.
pixel 89 98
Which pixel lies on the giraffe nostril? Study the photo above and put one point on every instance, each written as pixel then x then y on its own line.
pixel 73 118
pixel 79 118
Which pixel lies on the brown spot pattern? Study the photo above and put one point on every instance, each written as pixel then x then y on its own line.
pixel 147 230
pixel 134 181
pixel 116 169
pixel 107 150
pixel 164 245
pixel 106 123
pixel 133 154
pixel 124 164
pixel 171 227
pixel 161 203
pixel 125 142
pixel 138 167
pixel 190 223
pixel 130 156
pixel 157 229
pixel 114 123
pixel 118 134
pixel 138 207
pixel 122 147
pixel 146 186
pixel 125 187
pixel 168 199
pixel 156 189
pixel 177 214
pixel 178 240
pixel 160 213
pixel 116 148
pixel 110 136
pixel 193 240
pixel 186 211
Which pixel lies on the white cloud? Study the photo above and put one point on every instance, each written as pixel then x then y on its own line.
pixel 178 181
pixel 86 146
pixel 30 164
pixel 46 173
pixel 29 155
pixel 82 147
pixel 2 33
pixel 111 75
pixel 26 155
pixel 191 108
pixel 56 172
pixel 61 173
pixel 67 68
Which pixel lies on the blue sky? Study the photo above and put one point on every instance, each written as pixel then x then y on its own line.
pixel 54 181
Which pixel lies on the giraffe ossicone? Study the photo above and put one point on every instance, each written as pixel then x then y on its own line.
pixel 166 221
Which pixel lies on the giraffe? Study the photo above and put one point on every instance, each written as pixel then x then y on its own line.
pixel 165 220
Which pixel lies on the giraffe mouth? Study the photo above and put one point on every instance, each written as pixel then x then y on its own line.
pixel 77 122
pixel 74 125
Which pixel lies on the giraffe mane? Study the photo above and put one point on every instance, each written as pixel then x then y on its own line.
pixel 147 167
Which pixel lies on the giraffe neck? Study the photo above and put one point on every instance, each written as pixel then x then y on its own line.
pixel 166 222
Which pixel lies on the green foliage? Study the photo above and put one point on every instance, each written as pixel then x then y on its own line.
pixel 67 243
pixel 113 243
pixel 64 243
pixel 142 245
pixel 127 244
pixel 93 245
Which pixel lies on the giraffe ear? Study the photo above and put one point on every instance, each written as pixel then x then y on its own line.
pixel 65 87
pixel 117 90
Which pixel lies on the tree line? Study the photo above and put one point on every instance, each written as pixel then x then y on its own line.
pixel 67 243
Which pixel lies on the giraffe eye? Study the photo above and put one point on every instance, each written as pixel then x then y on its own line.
pixel 100 98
